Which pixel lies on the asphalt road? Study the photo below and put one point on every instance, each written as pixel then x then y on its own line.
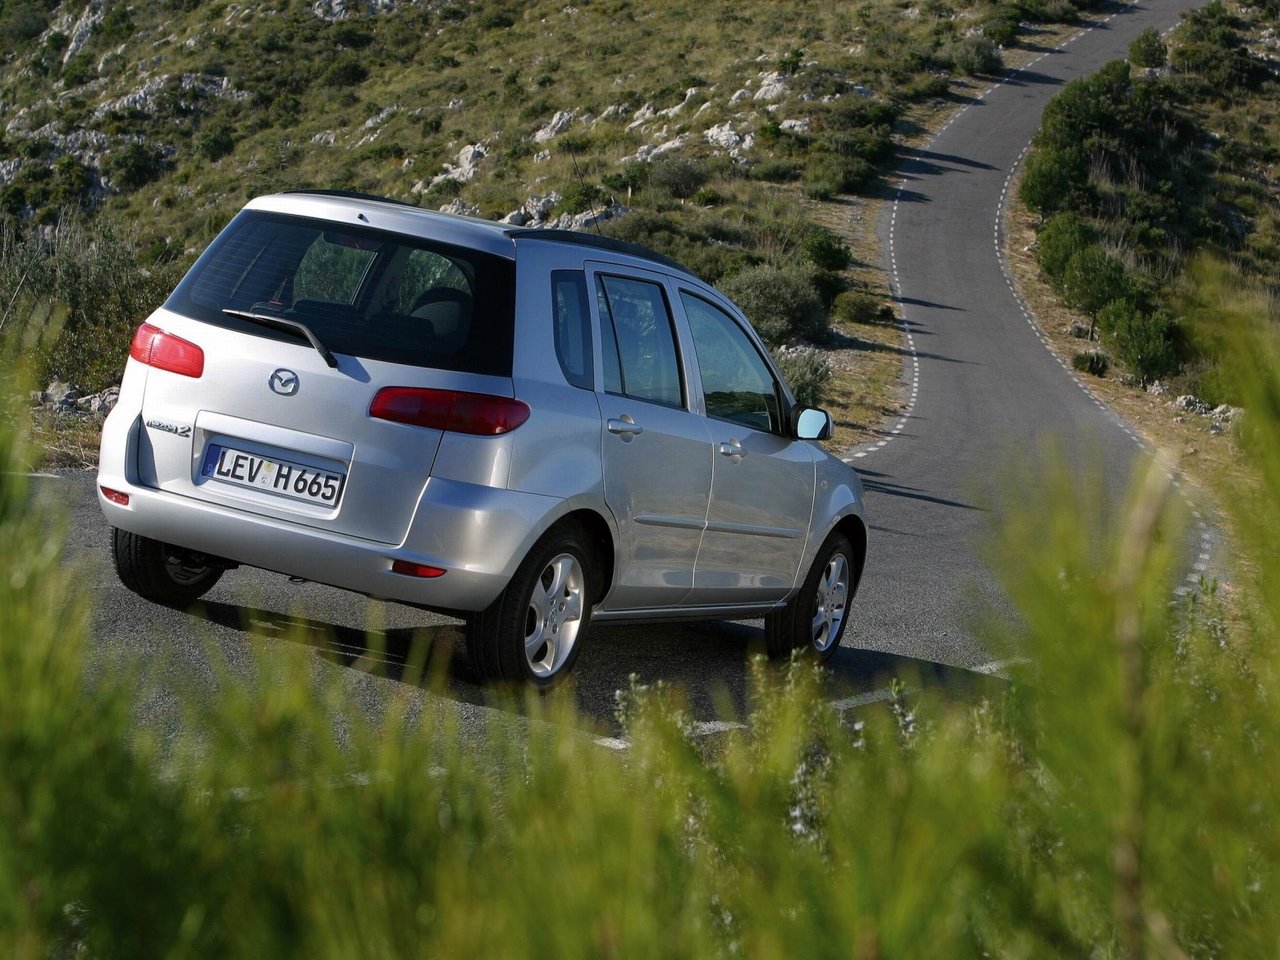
pixel 984 392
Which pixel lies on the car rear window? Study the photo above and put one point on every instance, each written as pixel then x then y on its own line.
pixel 363 292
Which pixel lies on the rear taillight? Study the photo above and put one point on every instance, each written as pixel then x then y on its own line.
pixel 156 348
pixel 115 496
pixel 410 569
pixel 475 413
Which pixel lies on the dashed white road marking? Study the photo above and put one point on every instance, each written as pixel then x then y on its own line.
pixel 1192 581
pixel 895 285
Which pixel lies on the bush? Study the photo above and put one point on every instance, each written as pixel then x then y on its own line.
pixel 1148 50
pixel 1060 239
pixel 134 166
pixel 776 171
pixel 97 277
pixel 347 71
pixel 854 306
pixel 825 250
pixel 1092 362
pixel 679 176
pixel 971 55
pixel 214 141
pixel 781 303
pixel 1051 178
pixel 1144 341
pixel 828 176
pixel 807 372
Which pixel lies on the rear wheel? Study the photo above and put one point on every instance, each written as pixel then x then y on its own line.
pixel 815 618
pixel 160 572
pixel 532 633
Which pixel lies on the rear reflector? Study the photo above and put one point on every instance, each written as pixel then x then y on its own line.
pixel 156 348
pixel 115 496
pixel 416 569
pixel 476 413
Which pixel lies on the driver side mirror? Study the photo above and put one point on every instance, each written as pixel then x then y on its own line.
pixel 810 423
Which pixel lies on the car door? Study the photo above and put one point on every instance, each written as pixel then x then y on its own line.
pixel 656 453
pixel 763 481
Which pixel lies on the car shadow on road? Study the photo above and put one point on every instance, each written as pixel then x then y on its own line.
pixel 710 664
pixel 879 483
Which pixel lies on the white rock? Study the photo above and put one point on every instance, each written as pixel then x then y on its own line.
pixel 644 113
pixel 722 135
pixel 740 95
pixel 459 207
pixel 381 117
pixel 773 86
pixel 557 125
pixel 326 137
pixel 83 29
pixel 649 151
pixel 542 156
pixel 795 126
pixel 465 169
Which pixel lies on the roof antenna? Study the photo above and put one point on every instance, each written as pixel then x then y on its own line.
pixel 595 217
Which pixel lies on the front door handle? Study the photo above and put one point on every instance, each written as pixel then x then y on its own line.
pixel 625 427
pixel 733 450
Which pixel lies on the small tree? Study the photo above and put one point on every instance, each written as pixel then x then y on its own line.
pixel 1093 278
pixel 1148 50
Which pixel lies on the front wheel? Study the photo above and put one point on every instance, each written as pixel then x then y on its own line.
pixel 160 572
pixel 815 618
pixel 532 633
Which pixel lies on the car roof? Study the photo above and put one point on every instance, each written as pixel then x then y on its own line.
pixel 400 216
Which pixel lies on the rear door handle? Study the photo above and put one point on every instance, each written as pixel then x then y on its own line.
pixel 625 427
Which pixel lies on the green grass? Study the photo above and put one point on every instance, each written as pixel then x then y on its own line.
pixel 1116 801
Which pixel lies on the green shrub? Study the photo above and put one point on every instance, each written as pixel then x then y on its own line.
pixel 97 277
pixel 832 175
pixel 855 306
pixel 214 141
pixel 780 302
pixel 348 70
pixel 1143 340
pixel 1051 179
pixel 776 171
pixel 1148 50
pixel 1001 27
pixel 825 250
pixel 134 165
pixel 1093 362
pixel 971 55
pixel 807 372
pixel 681 177
pixel 1060 239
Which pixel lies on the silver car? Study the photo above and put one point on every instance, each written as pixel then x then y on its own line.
pixel 529 429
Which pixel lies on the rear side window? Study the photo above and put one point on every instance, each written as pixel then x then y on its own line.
pixel 363 292
pixel 573 327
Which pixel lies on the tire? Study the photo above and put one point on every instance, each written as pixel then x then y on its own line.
pixel 815 618
pixel 159 572
pixel 532 633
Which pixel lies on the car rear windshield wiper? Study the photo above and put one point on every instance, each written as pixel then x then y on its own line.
pixel 290 326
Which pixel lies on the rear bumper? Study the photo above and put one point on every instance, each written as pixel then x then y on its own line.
pixel 477 534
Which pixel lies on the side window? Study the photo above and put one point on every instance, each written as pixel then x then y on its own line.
pixel 573 327
pixel 645 344
pixel 736 382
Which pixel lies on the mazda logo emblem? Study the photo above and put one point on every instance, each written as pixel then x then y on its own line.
pixel 284 382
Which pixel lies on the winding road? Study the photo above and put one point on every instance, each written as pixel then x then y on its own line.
pixel 983 390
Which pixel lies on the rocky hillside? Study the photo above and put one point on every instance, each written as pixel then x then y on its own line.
pixel 172 112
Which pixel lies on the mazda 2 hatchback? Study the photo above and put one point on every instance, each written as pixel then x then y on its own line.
pixel 529 429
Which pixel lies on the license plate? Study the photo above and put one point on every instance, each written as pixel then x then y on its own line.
pixel 271 473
